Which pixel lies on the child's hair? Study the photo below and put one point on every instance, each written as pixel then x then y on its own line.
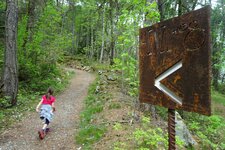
pixel 49 92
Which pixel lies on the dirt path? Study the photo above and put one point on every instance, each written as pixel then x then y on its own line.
pixel 24 135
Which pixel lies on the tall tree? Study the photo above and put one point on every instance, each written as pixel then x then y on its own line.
pixel 112 42
pixel 10 76
pixel 103 30
pixel 161 9
pixel 72 5
pixel 30 24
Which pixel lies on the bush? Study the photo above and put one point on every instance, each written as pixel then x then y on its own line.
pixel 210 130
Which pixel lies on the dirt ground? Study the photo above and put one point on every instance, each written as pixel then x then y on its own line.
pixel 24 135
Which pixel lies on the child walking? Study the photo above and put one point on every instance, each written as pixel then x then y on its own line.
pixel 46 111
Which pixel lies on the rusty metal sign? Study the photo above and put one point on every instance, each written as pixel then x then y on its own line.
pixel 175 63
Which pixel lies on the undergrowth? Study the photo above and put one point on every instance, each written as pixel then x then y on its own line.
pixel 210 131
pixel 89 132
pixel 218 97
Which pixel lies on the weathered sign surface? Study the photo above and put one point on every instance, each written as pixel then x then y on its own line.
pixel 175 63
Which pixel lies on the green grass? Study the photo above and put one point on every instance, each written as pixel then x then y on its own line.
pixel 218 98
pixel 89 133
pixel 114 105
pixel 88 114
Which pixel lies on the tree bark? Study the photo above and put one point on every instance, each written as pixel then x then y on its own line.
pixel 73 27
pixel 103 30
pixel 57 3
pixel 194 4
pixel 10 76
pixel 180 10
pixel 30 24
pixel 92 42
pixel 161 9
pixel 87 37
pixel 111 32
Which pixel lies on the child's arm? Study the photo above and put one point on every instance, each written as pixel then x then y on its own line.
pixel 39 104
pixel 53 107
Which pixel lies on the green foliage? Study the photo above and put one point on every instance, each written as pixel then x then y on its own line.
pixel 2 5
pixel 117 126
pixel 148 137
pixel 127 16
pixel 218 48
pixel 1 56
pixel 151 137
pixel 119 146
pixel 88 114
pixel 221 86
pixel 145 121
pixel 2 33
pixel 129 21
pixel 40 49
pixel 162 111
pixel 88 132
pixel 152 12
pixel 9 115
pixel 218 98
pixel 4 102
pixel 22 33
pixel 210 130
pixel 114 105
pixel 128 65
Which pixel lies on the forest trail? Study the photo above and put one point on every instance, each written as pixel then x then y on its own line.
pixel 24 135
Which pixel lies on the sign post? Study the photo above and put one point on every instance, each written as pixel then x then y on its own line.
pixel 171 129
pixel 175 65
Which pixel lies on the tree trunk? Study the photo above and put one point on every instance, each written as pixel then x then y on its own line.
pixel 78 34
pixel 194 4
pixel 117 14
pixel 10 76
pixel 112 36
pixel 30 24
pixel 161 9
pixel 57 3
pixel 73 29
pixel 92 42
pixel 180 7
pixel 87 37
pixel 103 30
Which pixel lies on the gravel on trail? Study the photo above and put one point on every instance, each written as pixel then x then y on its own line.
pixel 24 135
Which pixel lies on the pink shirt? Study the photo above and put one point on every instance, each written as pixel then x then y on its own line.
pixel 48 101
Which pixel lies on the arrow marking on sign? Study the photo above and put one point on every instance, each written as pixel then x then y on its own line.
pixel 163 88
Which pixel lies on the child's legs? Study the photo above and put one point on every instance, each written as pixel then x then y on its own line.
pixel 46 123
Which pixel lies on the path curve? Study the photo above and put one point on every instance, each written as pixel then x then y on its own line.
pixel 24 135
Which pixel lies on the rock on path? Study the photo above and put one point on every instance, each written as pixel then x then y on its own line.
pixel 24 135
